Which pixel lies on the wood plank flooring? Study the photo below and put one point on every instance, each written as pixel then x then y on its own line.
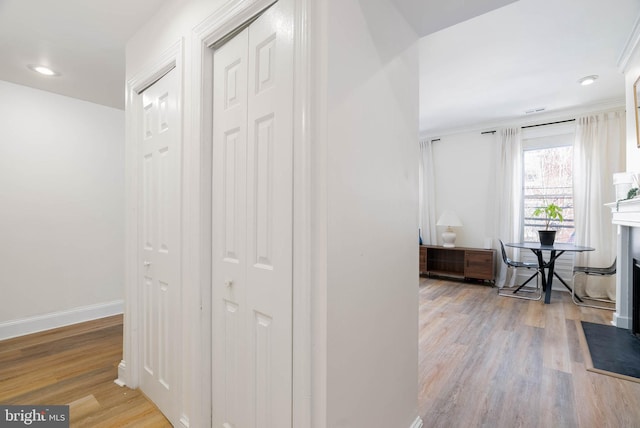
pixel 75 365
pixel 485 361
pixel 491 361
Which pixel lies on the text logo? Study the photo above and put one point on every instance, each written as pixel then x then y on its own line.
pixel 34 416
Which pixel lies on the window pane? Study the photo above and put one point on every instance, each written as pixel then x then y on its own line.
pixel 547 179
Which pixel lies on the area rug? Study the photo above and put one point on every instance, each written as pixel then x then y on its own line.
pixel 612 351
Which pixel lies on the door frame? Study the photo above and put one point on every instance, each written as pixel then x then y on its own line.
pixel 129 368
pixel 234 15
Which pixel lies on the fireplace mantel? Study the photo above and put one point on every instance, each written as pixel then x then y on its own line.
pixel 625 214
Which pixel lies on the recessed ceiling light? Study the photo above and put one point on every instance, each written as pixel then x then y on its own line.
pixel 46 71
pixel 587 80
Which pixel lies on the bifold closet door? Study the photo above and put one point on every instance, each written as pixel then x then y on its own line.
pixel 159 224
pixel 252 225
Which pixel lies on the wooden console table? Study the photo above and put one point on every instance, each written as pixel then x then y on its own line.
pixel 458 262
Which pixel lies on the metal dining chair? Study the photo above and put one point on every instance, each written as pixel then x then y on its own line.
pixel 535 293
pixel 593 271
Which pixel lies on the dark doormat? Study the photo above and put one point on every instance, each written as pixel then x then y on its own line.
pixel 614 351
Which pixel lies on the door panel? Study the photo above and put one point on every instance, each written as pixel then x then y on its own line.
pixel 269 218
pixel 160 186
pixel 230 356
pixel 252 225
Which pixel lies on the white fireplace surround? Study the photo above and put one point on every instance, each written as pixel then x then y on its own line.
pixel 626 214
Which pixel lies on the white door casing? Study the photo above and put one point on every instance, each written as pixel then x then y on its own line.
pixel 252 197
pixel 159 291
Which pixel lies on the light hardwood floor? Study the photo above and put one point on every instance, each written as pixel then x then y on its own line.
pixel 75 365
pixel 485 361
pixel 491 361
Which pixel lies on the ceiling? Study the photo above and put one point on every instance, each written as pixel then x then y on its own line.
pixel 84 40
pixel 429 16
pixel 502 57
pixel 523 56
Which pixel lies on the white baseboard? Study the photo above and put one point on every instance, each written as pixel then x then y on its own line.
pixel 122 374
pixel 184 422
pixel 622 322
pixel 417 423
pixel 20 327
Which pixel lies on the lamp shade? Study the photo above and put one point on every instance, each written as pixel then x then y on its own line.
pixel 449 218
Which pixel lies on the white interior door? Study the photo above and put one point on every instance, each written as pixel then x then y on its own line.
pixel 159 280
pixel 252 225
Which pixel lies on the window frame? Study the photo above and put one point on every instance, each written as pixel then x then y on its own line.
pixel 540 138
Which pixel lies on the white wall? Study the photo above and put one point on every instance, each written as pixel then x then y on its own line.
pixel 463 168
pixel 372 256
pixel 365 343
pixel 62 203
pixel 632 73
pixel 464 171
pixel 174 21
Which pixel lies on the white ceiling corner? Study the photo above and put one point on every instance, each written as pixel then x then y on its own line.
pixel 84 40
pixel 481 61
pixel 429 16
pixel 522 56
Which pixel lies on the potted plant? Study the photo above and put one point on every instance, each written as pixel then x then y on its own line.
pixel 551 212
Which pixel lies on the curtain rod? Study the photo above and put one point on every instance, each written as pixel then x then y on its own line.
pixel 550 123
pixel 533 126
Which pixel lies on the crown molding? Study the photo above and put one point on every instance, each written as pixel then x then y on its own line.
pixel 563 114
pixel 629 47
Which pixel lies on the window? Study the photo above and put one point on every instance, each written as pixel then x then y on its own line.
pixel 548 169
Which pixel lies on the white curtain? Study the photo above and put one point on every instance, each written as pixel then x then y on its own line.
pixel 508 196
pixel 599 151
pixel 427 195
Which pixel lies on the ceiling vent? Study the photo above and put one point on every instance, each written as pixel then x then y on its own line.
pixel 535 110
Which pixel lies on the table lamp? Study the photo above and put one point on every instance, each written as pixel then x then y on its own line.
pixel 449 219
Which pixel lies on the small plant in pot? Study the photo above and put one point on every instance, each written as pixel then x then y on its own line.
pixel 551 212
